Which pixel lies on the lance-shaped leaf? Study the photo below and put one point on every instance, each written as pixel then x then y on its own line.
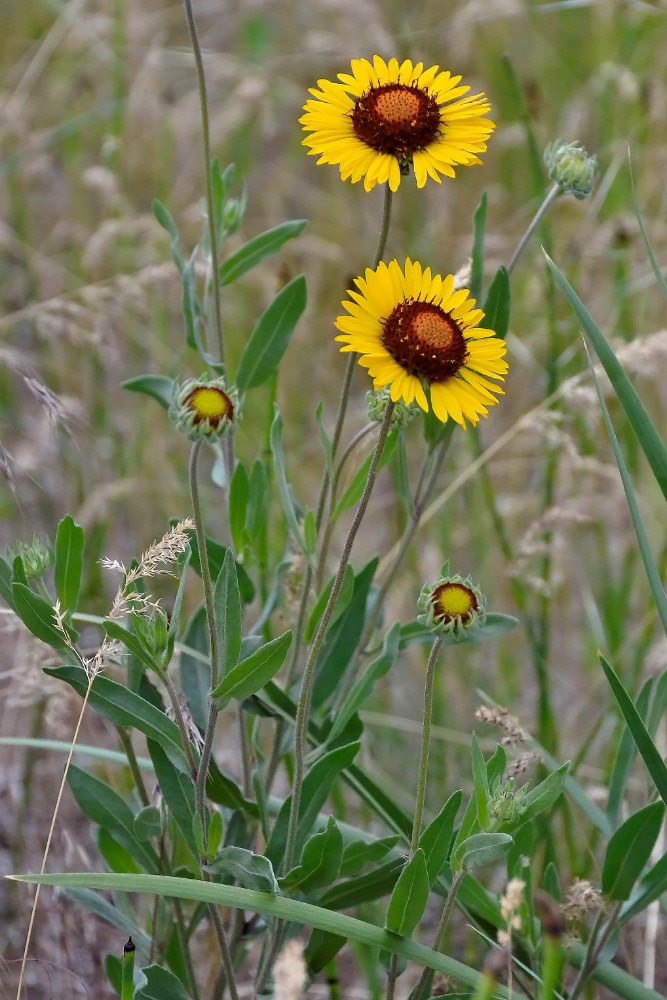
pixel 251 674
pixel 68 562
pixel 629 850
pixel 37 615
pixel 409 898
pixel 178 791
pixel 227 610
pixel 480 849
pixel 158 387
pixel 320 861
pixel 436 838
pixel 258 249
pixel 268 341
pixel 252 871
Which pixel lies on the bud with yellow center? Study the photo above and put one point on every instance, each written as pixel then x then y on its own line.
pixel 205 408
pixel 452 606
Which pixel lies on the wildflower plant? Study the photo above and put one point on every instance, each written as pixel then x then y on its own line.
pixel 271 639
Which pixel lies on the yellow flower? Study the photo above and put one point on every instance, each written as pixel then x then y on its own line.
pixel 414 332
pixel 384 116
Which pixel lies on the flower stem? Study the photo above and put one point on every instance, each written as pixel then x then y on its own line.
pixel 303 705
pixel 550 197
pixel 206 137
pixel 442 927
pixel 426 736
pixel 596 943
pixel 384 227
pixel 200 784
pixel 392 977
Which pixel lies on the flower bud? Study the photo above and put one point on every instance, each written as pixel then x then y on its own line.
pixel 570 166
pixel 205 408
pixel 452 606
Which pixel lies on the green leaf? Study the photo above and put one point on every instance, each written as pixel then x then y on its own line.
pixel 251 674
pixel 364 888
pixel 410 896
pixel 161 985
pixel 625 755
pixel 228 618
pixel 650 568
pixel 125 708
pixel 481 785
pixel 316 787
pixel 216 557
pixel 321 949
pixel 352 494
pixel 342 601
pixel 651 887
pixel 195 671
pixel 116 857
pixel 37 615
pixel 496 624
pixel 258 249
pixel 239 494
pixel 69 563
pixel 147 823
pixel 320 861
pixel 436 839
pixel 363 852
pixel 6 583
pixel 544 795
pixel 114 916
pixel 478 230
pixel 645 745
pixel 497 303
pixel 629 850
pixel 158 387
pixel 341 640
pixel 252 871
pixel 363 686
pixel 287 503
pixel 132 642
pixel 271 336
pixel 649 439
pixel 276 907
pixel 480 849
pixel 215 832
pixel 105 807
pixel 177 788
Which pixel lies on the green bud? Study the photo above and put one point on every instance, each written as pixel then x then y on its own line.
pixel 205 408
pixel 377 402
pixel 452 606
pixel 571 167
pixel 36 558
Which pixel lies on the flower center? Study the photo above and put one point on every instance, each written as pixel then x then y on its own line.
pixel 424 340
pixel 209 403
pixel 453 600
pixel 396 119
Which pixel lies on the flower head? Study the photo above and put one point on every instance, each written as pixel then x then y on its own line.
pixel 452 606
pixel 383 117
pixel 205 408
pixel 571 167
pixel 414 332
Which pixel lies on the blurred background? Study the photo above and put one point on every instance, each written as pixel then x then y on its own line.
pixel 99 114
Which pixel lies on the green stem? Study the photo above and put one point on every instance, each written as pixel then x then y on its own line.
pixel 442 927
pixel 426 736
pixel 421 502
pixel 351 363
pixel 598 939
pixel 207 584
pixel 213 239
pixel 133 764
pixel 392 977
pixel 551 966
pixel 303 704
pixel 180 722
pixel 127 971
pixel 549 199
